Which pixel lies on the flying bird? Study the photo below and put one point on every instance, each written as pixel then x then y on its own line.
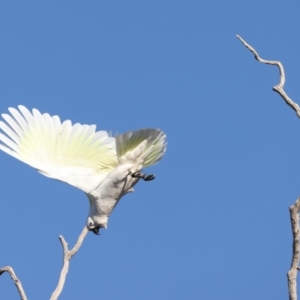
pixel 105 168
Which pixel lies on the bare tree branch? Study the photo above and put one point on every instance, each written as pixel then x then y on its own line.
pixel 67 255
pixel 17 282
pixel 294 209
pixel 279 87
pixel 292 273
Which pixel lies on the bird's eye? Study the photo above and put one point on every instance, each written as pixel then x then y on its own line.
pixel 91 224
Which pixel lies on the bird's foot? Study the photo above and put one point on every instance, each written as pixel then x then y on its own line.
pixel 143 176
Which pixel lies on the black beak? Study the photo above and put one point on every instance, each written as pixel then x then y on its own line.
pixel 96 230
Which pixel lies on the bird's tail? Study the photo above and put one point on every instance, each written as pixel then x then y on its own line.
pixel 146 145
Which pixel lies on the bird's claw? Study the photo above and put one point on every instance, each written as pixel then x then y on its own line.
pixel 149 177
pixel 143 176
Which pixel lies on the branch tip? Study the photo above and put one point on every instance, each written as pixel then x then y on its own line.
pixel 67 255
pixel 279 88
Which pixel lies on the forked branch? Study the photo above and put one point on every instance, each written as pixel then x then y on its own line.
pixel 294 209
pixel 67 255
pixel 15 279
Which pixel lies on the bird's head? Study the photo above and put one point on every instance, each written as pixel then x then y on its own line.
pixel 94 226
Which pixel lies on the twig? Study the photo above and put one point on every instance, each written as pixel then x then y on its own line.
pixel 292 273
pixel 294 209
pixel 17 282
pixel 68 254
pixel 279 87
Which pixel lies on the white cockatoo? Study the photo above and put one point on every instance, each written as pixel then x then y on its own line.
pixel 104 167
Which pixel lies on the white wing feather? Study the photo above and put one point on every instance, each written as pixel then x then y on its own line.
pixel 75 154
pixel 144 146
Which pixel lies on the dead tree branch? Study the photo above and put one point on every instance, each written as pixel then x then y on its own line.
pixel 294 209
pixel 292 273
pixel 67 255
pixel 17 282
pixel 279 87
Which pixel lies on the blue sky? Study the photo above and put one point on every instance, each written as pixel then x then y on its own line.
pixel 214 224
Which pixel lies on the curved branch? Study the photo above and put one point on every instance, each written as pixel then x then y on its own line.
pixel 292 273
pixel 279 87
pixel 68 254
pixel 17 282
pixel 294 209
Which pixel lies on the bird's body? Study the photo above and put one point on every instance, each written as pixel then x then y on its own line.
pixel 104 167
pixel 104 199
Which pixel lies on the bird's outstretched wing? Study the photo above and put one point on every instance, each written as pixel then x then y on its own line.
pixel 75 154
pixel 145 146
